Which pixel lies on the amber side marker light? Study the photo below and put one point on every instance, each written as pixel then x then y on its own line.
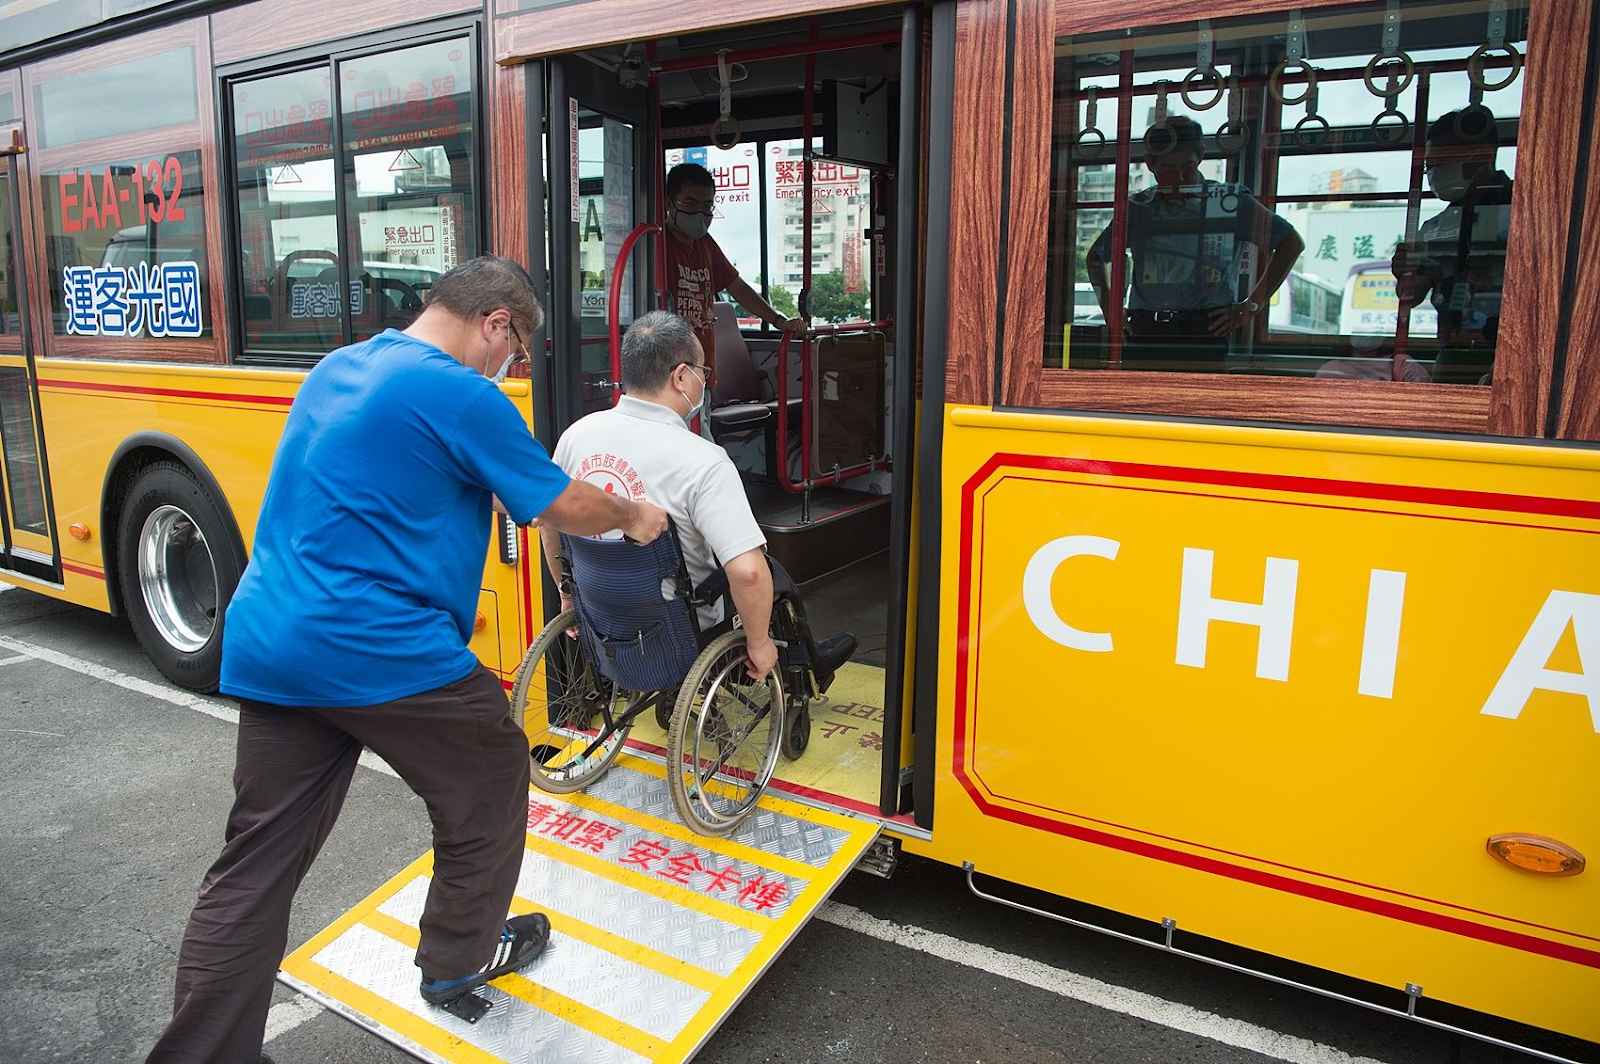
pixel 482 622
pixel 79 532
pixel 1535 853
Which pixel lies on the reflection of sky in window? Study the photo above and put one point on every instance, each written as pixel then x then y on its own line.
pixel 145 93
pixel 378 173
pixel 311 180
pixel 389 75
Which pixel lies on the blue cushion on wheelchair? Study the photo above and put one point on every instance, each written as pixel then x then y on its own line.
pixel 634 611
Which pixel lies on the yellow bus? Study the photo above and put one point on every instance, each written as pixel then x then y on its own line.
pixel 1284 643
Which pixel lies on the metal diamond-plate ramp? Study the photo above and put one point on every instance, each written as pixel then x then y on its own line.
pixel 657 932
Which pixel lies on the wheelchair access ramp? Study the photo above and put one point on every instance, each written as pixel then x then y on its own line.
pixel 657 932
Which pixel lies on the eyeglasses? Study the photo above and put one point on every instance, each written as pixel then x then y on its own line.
pixel 709 210
pixel 520 356
pixel 700 369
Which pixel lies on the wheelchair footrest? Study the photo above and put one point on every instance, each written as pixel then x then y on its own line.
pixel 469 1007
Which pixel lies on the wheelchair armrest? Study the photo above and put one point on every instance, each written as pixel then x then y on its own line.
pixel 713 589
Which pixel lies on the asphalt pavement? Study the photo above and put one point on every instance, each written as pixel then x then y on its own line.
pixel 113 794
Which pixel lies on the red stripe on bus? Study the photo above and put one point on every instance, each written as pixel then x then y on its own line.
pixel 83 570
pixel 1211 865
pixel 170 393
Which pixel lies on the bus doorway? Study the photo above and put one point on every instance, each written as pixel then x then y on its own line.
pixel 811 137
pixel 28 540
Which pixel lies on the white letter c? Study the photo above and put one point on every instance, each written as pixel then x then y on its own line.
pixel 1036 580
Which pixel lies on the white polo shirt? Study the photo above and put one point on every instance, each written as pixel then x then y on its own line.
pixel 644 450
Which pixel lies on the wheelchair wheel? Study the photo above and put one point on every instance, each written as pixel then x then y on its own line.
pixel 725 737
pixel 563 703
pixel 797 731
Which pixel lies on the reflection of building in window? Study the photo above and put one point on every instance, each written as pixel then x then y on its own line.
pixel 1339 161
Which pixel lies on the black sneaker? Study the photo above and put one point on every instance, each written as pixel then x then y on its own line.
pixel 521 941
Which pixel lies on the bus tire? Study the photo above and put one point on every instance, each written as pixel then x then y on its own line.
pixel 179 559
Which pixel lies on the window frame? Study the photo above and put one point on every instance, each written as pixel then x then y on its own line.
pixel 201 138
pixel 23 243
pixel 1000 219
pixel 329 55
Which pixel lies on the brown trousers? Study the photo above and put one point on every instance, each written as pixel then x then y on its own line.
pixel 456 747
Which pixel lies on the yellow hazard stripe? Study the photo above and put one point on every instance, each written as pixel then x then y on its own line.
pixel 674 830
pixel 540 997
pixel 401 1021
pixel 655 886
pixel 639 954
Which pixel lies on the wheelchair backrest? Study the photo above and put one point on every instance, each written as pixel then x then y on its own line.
pixel 634 610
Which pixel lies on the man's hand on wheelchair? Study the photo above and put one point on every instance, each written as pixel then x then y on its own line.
pixel 760 657
pixel 648 523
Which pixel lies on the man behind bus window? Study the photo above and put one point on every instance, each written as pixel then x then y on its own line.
pixel 350 630
pixel 1458 260
pixel 1194 244
pixel 642 447
pixel 696 267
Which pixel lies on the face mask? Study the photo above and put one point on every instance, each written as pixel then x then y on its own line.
pixel 693 226
pixel 505 368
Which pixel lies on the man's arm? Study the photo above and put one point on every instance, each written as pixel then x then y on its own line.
pixel 750 584
pixel 1286 248
pixel 550 543
pixel 750 299
pixel 1284 255
pixel 1094 264
pixel 584 510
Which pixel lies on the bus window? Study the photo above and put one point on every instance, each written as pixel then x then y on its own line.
pixel 288 238
pixel 607 214
pixel 108 226
pixel 1341 210
pixel 10 319
pixel 410 151
pixel 409 167
pixel 143 93
pixel 124 212
pixel 737 224
pixel 841 255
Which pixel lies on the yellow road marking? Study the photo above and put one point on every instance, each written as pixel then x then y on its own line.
pixel 636 952
pixel 592 1020
pixel 656 886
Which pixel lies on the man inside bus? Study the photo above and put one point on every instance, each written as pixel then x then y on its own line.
pixel 350 630
pixel 1194 245
pixel 644 446
pixel 1458 260
pixel 696 267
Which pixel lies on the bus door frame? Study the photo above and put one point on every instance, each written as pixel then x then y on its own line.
pixel 571 85
pixel 24 557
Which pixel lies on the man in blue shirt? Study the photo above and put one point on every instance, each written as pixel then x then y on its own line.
pixel 349 629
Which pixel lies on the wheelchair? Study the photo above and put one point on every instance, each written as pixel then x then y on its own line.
pixel 633 644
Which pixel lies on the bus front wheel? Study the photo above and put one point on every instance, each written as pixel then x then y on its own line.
pixel 178 560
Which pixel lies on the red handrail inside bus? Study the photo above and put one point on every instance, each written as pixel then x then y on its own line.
pixel 614 302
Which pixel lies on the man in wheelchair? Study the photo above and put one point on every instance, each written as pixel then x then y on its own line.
pixel 643 449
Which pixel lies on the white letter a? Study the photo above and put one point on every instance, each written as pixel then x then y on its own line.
pixel 1527 670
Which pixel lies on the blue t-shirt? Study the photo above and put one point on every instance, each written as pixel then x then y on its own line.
pixel 363 584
